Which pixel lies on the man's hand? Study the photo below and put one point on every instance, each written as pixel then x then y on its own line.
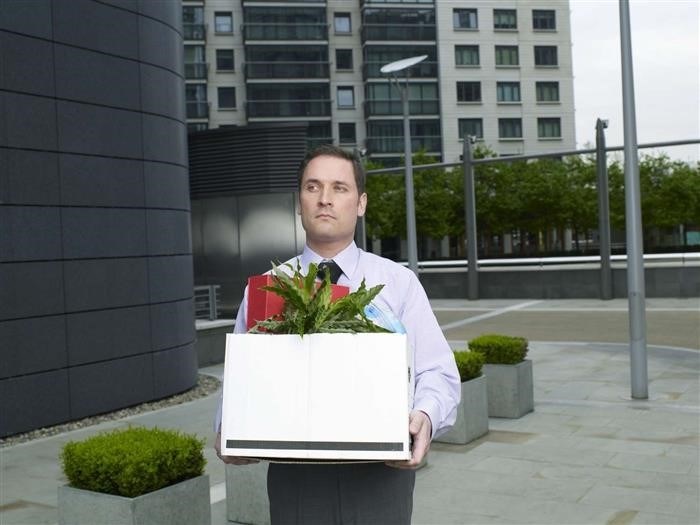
pixel 420 428
pixel 233 460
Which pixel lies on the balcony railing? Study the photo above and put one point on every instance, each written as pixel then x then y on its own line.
pixel 289 108
pixel 430 143
pixel 395 107
pixel 196 70
pixel 194 31
pixel 422 70
pixel 252 31
pixel 397 32
pixel 313 142
pixel 422 2
pixel 287 69
pixel 197 109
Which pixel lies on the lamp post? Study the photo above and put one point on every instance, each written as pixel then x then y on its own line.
pixel 393 68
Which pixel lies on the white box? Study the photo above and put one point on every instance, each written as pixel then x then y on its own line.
pixel 321 396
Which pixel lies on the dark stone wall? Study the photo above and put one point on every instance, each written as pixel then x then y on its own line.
pixel 95 253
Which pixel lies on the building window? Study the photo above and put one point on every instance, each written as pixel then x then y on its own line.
pixel 471 126
pixel 227 97
pixel 346 133
pixel 346 97
pixel 547 91
pixel 466 55
pixel 224 59
pixel 510 128
pixel 505 19
pixel 342 23
pixel 223 22
pixel 544 20
pixel 549 128
pixel 508 91
pixel 468 91
pixel 193 27
pixel 465 19
pixel 343 59
pixel 196 126
pixel 507 56
pixel 546 56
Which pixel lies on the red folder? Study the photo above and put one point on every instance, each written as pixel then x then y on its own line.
pixel 263 304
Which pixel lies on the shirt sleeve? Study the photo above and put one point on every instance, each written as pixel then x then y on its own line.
pixel 437 388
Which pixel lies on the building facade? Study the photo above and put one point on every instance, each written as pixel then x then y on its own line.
pixel 498 70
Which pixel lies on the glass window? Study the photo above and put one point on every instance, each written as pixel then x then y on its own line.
pixel 508 91
pixel 343 58
pixel 465 19
pixel 547 91
pixel 346 97
pixel 223 22
pixel 549 128
pixel 193 23
pixel 342 22
pixel 466 55
pixel 507 56
pixel 544 20
pixel 227 97
pixel 546 56
pixel 224 59
pixel 346 133
pixel 471 126
pixel 510 128
pixel 469 91
pixel 505 19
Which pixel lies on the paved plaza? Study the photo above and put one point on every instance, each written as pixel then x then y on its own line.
pixel 588 454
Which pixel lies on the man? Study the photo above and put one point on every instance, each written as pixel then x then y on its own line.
pixel 331 198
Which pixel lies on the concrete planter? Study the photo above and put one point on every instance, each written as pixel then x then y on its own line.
pixel 185 503
pixel 472 414
pixel 510 389
pixel 246 494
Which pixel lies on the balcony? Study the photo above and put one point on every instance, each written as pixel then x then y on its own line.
pixel 194 31
pixel 314 142
pixel 287 69
pixel 288 108
pixel 397 32
pixel 422 70
pixel 421 2
pixel 196 70
pixel 197 109
pixel 285 31
pixel 395 107
pixel 430 143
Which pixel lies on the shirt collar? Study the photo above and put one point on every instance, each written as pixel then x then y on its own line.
pixel 347 259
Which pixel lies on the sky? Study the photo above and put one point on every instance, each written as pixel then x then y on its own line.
pixel 666 62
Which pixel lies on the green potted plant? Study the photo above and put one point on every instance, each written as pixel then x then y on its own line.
pixel 135 476
pixel 508 374
pixel 472 413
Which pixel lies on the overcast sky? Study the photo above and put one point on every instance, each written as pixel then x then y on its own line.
pixel 665 49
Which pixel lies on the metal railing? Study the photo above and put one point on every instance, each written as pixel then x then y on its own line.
pixel 395 107
pixel 288 108
pixel 384 32
pixel 196 70
pixel 194 31
pixel 287 69
pixel 426 69
pixel 207 302
pixel 261 31
pixel 197 109
pixel 430 143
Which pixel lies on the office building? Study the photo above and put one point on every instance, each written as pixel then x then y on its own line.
pixel 498 70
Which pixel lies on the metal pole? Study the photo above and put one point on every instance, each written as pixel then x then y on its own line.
pixel 606 291
pixel 470 221
pixel 633 219
pixel 410 203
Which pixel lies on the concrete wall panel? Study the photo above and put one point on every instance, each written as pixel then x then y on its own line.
pixel 103 232
pixel 175 370
pixel 171 324
pixel 26 65
pixel 167 186
pixel 29 177
pixel 30 122
pixel 29 233
pixel 170 278
pixel 100 181
pixel 30 289
pixel 29 18
pixel 167 232
pixel 38 344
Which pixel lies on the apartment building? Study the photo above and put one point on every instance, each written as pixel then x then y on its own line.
pixel 499 70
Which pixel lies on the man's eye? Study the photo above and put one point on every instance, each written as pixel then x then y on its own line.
pixel 311 187
pixel 341 189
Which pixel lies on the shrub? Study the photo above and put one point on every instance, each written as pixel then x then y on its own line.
pixel 469 364
pixel 133 461
pixel 500 349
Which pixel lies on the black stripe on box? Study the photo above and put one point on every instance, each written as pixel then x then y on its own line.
pixel 315 445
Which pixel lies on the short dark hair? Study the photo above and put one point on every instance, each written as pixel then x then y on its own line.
pixel 329 150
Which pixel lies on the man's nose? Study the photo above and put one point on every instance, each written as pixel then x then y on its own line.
pixel 325 197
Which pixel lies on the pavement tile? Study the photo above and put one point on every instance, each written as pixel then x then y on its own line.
pixel 668 464
pixel 688 485
pixel 653 518
pixel 689 505
pixel 634 499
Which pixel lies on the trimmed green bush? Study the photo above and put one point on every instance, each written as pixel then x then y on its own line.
pixel 133 461
pixel 469 364
pixel 500 349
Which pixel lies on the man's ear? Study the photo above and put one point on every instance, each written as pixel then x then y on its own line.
pixel 362 205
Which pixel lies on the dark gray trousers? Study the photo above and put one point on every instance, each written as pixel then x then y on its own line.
pixel 355 493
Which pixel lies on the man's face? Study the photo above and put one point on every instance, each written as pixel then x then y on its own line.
pixel 330 204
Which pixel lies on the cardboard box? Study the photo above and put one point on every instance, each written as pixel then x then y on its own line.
pixel 321 396
pixel 263 304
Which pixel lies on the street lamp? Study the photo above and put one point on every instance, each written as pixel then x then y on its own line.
pixel 392 69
